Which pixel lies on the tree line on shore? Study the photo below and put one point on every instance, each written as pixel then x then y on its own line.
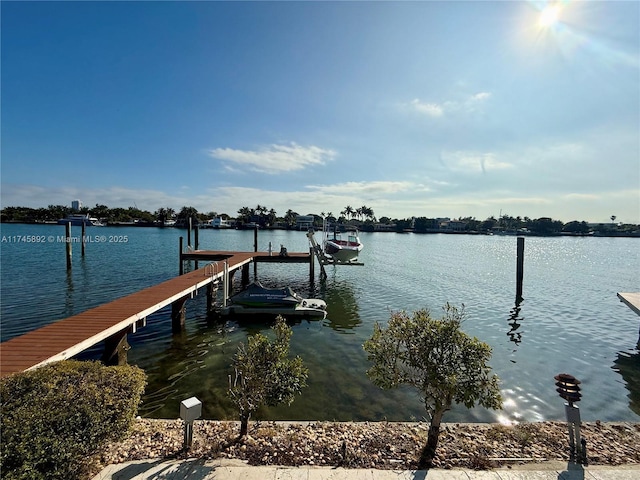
pixel 362 217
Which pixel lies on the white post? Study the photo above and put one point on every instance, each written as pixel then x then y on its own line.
pixel 225 284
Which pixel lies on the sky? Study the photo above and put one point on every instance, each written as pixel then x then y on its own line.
pixel 435 109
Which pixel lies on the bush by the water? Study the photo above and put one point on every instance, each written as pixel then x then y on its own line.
pixel 57 415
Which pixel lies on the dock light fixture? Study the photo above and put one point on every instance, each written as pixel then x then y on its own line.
pixel 569 390
pixel 190 410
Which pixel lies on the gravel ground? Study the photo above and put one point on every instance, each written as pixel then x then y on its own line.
pixel 380 445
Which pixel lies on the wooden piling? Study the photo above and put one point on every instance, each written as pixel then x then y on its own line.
pixel 255 238
pixel 195 242
pixel 519 269
pixel 116 348
pixel 83 237
pixel 67 229
pixel 178 314
pixel 189 233
pixel 245 275
pixel 311 265
pixel 255 249
pixel 181 267
pixel 210 297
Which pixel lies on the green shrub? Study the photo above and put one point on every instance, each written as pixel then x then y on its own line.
pixel 57 415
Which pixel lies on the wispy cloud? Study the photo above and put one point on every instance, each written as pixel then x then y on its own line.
pixel 435 110
pixel 474 161
pixel 363 188
pixel 276 158
pixel 430 109
pixel 581 196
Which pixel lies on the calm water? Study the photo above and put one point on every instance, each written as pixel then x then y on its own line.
pixel 570 321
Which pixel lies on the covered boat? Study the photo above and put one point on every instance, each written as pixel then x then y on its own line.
pixel 256 299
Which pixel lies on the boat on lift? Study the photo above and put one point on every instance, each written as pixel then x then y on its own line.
pixel 256 299
pixel 340 250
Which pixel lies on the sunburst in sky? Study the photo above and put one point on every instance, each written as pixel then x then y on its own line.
pixel 549 16
pixel 429 109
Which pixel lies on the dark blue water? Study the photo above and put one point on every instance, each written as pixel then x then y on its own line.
pixel 570 320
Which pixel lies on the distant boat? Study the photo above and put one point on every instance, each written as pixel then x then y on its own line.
pixel 219 222
pixel 169 223
pixel 256 299
pixel 79 219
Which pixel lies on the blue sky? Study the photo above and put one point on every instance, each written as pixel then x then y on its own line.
pixel 437 109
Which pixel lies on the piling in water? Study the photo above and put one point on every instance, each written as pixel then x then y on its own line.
pixel 519 269
pixel 67 229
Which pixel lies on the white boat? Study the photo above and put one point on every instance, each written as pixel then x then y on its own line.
pixel 343 250
pixel 258 300
pixel 339 249
pixel 78 219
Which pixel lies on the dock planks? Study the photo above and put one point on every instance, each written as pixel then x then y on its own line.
pixel 632 300
pixel 68 337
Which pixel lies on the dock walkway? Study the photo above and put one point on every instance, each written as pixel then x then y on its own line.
pixel 632 300
pixel 111 321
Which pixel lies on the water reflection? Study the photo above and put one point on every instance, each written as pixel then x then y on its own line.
pixel 514 323
pixel 77 288
pixel 342 307
pixel 68 295
pixel 628 366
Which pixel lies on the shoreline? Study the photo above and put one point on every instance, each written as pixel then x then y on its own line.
pixel 598 234
pixel 377 445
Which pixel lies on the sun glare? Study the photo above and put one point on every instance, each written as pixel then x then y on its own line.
pixel 549 16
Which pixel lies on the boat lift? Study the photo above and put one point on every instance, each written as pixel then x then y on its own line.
pixel 321 255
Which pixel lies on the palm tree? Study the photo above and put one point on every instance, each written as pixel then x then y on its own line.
pixel 161 214
pixel 189 212
pixel 290 218
pixel 348 210
pixel 272 216
pixel 244 214
pixel 367 212
pixel 260 210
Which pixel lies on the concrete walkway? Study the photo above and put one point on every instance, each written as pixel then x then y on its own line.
pixel 199 469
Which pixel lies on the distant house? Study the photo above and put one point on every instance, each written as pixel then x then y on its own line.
pixel 453 225
pixel 304 222
pixel 219 222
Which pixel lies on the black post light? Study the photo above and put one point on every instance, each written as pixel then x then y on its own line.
pixel 569 390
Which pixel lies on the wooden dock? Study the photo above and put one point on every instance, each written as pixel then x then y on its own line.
pixel 632 300
pixel 112 321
